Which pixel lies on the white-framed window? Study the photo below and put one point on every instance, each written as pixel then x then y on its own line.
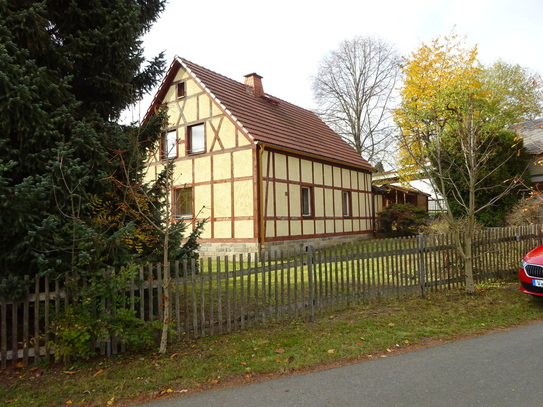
pixel 307 201
pixel 169 145
pixel 196 139
pixel 346 203
pixel 182 203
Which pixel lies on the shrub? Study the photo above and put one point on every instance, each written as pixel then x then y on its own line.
pixel 402 219
pixel 526 212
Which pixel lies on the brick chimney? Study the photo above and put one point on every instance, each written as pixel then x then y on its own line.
pixel 253 82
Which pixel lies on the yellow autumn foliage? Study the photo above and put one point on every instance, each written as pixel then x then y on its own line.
pixel 439 77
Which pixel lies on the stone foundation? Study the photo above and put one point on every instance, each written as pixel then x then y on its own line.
pixel 232 249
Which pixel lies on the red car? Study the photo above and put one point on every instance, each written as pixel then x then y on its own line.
pixel 530 272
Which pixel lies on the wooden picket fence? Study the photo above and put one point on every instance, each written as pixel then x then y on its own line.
pixel 222 295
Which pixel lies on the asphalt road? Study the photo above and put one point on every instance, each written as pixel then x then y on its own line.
pixel 499 369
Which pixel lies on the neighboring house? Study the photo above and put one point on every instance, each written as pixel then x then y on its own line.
pixel 532 133
pixel 418 191
pixel 396 194
pixel 266 173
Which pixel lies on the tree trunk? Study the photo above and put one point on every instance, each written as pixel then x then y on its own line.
pixel 468 263
pixel 165 298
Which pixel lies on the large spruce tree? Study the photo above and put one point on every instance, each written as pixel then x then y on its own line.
pixel 68 68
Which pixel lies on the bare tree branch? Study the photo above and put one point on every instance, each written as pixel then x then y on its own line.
pixel 354 88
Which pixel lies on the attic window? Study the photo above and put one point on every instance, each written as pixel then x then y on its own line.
pixel 180 90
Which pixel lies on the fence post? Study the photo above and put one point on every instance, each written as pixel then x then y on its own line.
pixel 310 255
pixel 422 268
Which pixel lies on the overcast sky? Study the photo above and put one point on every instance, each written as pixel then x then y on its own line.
pixel 284 40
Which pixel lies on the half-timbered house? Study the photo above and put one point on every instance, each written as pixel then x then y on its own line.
pixel 264 172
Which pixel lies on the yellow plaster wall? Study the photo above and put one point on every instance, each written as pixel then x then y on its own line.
pixel 222 200
pixel 202 168
pixel 270 231
pixel 355 204
pixel 280 166
pixel 295 200
pixel 309 227
pixel 346 178
pixel 328 179
pixel 338 202
pixel 182 171
pixel 294 169
pixel 364 203
pixel 281 196
pixel 319 201
pixel 222 166
pixel 243 202
pixel 180 75
pixel 190 110
pixel 295 227
pixel 307 171
pixel 354 179
pixel 226 128
pixel 215 110
pixel 202 203
pixel 282 228
pixel 222 228
pixel 318 179
pixel 319 227
pixel 243 163
pixel 336 174
pixel 243 229
pixel 329 198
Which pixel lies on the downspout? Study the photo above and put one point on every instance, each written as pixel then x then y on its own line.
pixel 261 220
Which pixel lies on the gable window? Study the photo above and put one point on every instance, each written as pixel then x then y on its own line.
pixel 180 90
pixel 307 201
pixel 182 203
pixel 169 145
pixel 346 203
pixel 196 139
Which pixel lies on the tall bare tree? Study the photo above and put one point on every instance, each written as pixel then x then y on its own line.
pixel 354 88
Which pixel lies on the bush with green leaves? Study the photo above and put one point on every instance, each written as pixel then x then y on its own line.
pixel 402 219
pixel 98 311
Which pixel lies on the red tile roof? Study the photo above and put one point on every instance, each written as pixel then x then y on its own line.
pixel 267 119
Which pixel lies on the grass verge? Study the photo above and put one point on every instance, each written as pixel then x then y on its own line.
pixel 356 334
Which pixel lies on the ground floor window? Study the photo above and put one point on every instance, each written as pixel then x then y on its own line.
pixel 182 203
pixel 346 203
pixel 307 201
